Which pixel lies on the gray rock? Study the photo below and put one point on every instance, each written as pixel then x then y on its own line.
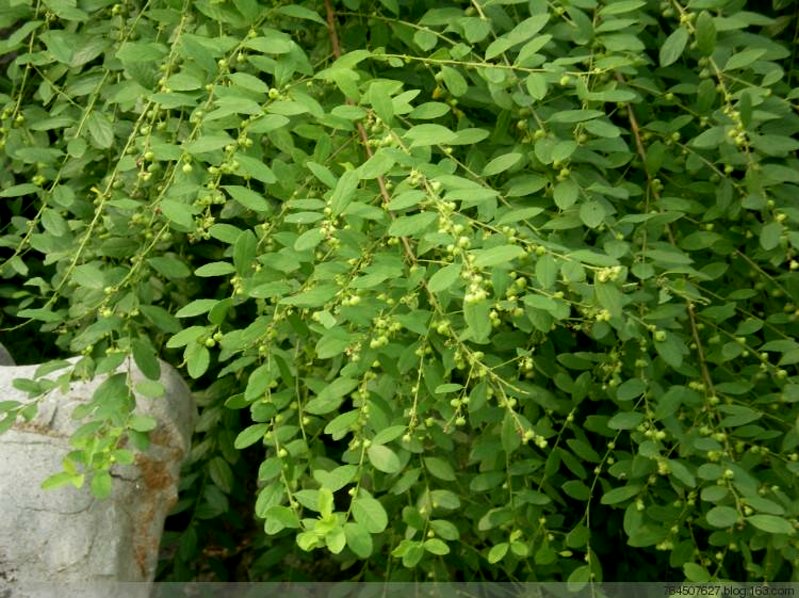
pixel 5 357
pixel 66 535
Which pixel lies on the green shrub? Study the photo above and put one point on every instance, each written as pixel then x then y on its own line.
pixel 475 291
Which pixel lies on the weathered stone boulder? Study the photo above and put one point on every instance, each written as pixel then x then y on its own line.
pixel 66 535
pixel 5 357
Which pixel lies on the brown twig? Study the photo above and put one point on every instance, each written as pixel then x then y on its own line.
pixel 335 44
pixel 331 28
pixel 636 131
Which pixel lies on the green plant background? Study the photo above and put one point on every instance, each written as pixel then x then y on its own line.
pixel 466 291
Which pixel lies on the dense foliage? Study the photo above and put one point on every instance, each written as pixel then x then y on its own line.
pixel 482 291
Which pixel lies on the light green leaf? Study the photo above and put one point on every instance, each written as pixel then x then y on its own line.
pixel 248 198
pixel 331 396
pixel 252 167
pixel 743 59
pixel 415 225
pixel 197 359
pixel 309 239
pixel 142 423
pixel 102 484
pixel 370 513
pixel 429 134
pixel 384 459
pixel 722 517
pixel 673 47
pixel 502 254
pixel 771 524
pixel 565 194
pixel 592 213
pixel 359 540
pixel 501 163
pixel 696 573
pixel 477 319
pixel 436 546
pixel 279 517
pixel 250 435
pixel 705 33
pixel 440 469
pixel 444 278
pixel 100 130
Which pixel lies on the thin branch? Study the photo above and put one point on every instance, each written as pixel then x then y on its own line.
pixel 639 144
pixel 381 182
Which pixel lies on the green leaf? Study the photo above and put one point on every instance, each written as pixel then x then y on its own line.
pixel 771 524
pixel 476 314
pixel 672 350
pixel 146 359
pixel 411 226
pixel 100 130
pixel 440 469
pixel 696 573
pixel 673 47
pixel 631 389
pixel 207 143
pixel 196 308
pixel 273 42
pixel 501 163
pixel 102 485
pixel 617 495
pixel 20 190
pixel 331 396
pixel 215 269
pixel 378 165
pixel 142 423
pixel 337 478
pixel 429 134
pixel 444 278
pixel 454 81
pixel 63 478
pixel 341 424
pixel 197 359
pixel 625 420
pixel 325 504
pixel 178 214
pixel 384 459
pixel 770 235
pixel 309 239
pixel 565 194
pixel 359 540
pixel 370 513
pixel 743 59
pixel 610 297
pixel 436 546
pixel 546 271
pixel 251 167
pixel 170 267
pixel 279 517
pixel 445 529
pixel 722 517
pixel 579 578
pixel 592 213
pixel 425 39
pixel 300 12
pixel 503 254
pixel 250 435
pixel 705 33
pixel 248 198
pixel 621 7
pixel 344 191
